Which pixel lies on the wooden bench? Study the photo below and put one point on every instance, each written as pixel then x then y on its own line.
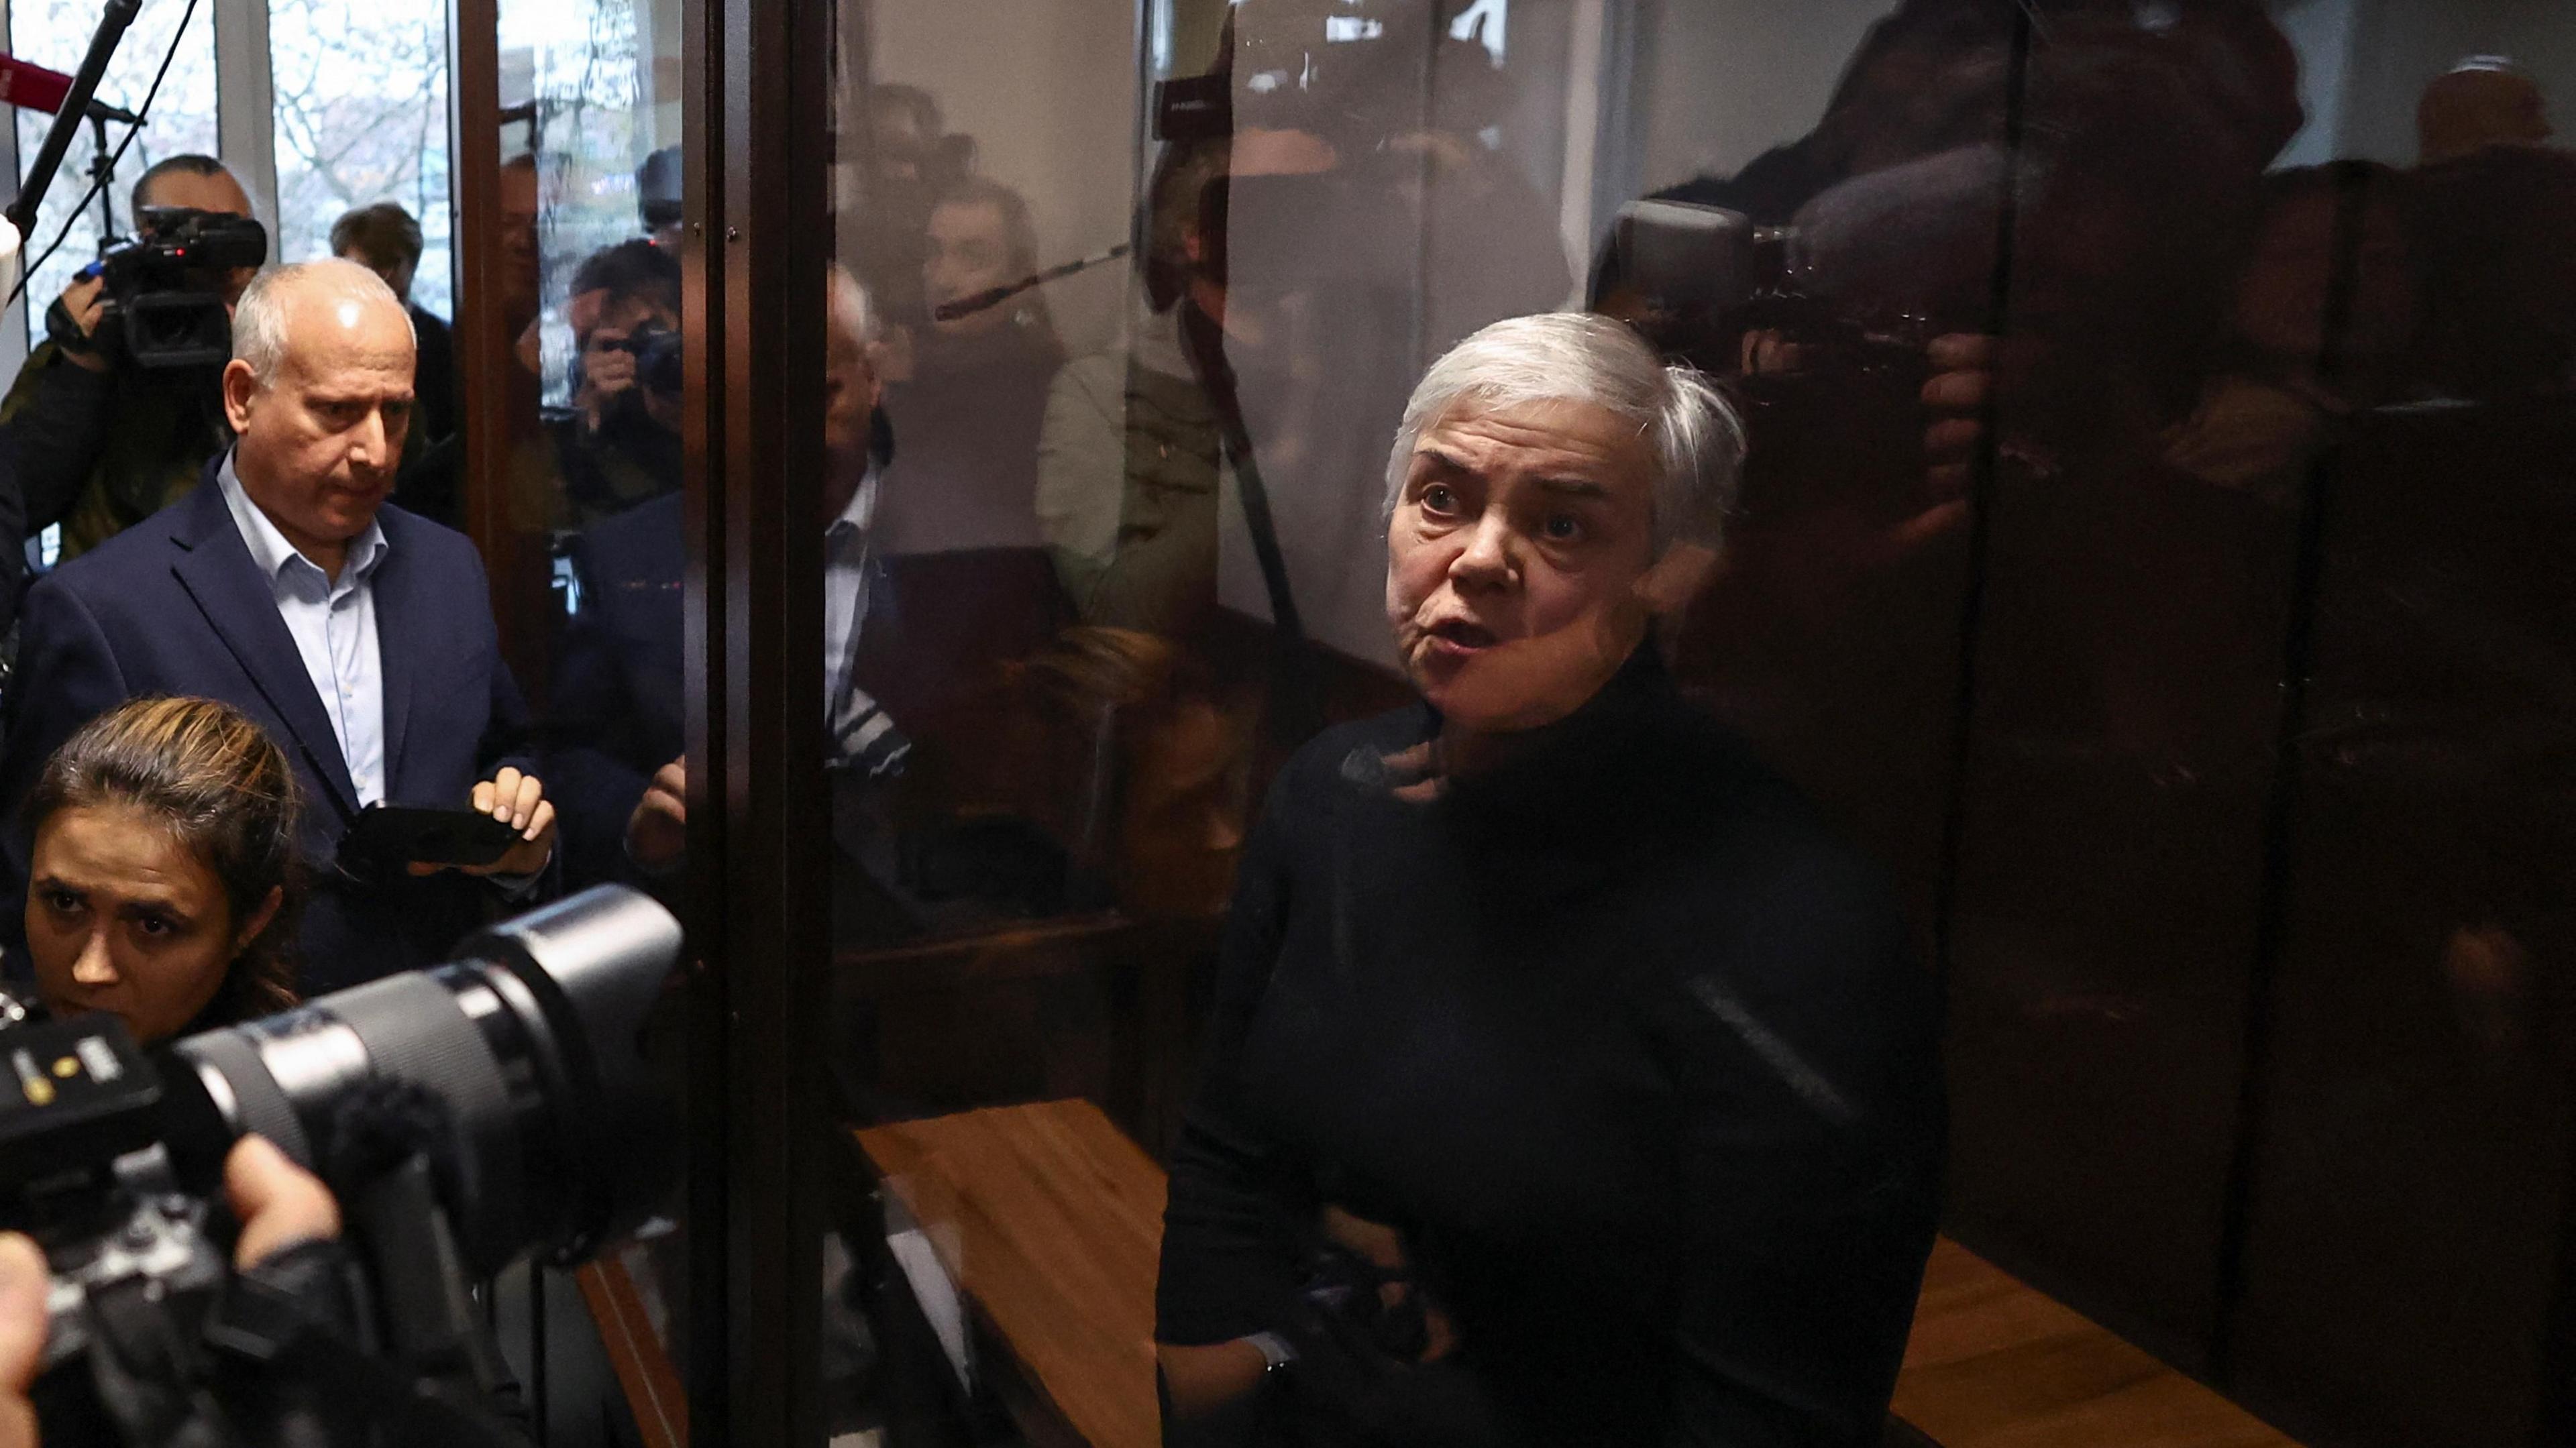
pixel 1050 1222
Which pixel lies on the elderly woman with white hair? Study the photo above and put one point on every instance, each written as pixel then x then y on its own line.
pixel 1570 1081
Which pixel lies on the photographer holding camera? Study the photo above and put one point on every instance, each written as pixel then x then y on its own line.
pixel 621 444
pixel 95 437
pixel 280 1206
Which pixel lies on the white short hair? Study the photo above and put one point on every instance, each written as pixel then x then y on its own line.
pixel 852 307
pixel 259 318
pixel 1692 434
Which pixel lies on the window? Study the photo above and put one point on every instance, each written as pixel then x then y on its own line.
pixel 56 33
pixel 361 105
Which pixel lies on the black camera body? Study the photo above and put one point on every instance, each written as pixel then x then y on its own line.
pixel 463 1115
pixel 166 285
pixel 89 1178
pixel 660 358
pixel 1836 416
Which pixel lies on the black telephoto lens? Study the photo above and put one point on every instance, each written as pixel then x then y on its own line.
pixel 533 1040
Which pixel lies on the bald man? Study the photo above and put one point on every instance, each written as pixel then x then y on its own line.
pixel 358 634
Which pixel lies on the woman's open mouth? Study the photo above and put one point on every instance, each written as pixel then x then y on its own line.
pixel 1460 638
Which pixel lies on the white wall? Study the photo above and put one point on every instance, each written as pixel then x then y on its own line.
pixel 1048 91
pixel 1722 81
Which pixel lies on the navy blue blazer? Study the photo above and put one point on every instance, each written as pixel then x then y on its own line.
pixel 616 710
pixel 175 605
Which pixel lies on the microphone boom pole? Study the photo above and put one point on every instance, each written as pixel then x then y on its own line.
pixel 67 121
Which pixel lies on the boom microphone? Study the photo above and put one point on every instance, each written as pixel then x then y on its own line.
pixel 30 86
pixel 71 110
pixel 990 297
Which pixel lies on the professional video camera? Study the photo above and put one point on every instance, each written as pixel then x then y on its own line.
pixel 166 288
pixel 463 1115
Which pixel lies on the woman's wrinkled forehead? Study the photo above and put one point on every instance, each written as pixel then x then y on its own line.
pixel 1548 433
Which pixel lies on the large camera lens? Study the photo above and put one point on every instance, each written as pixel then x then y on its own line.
pixel 553 1136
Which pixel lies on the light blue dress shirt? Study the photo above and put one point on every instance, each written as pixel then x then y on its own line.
pixel 334 625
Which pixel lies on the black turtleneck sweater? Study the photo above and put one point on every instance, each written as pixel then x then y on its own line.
pixel 1626 1044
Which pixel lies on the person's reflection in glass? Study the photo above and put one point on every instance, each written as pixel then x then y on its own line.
pixel 1130 454
pixel 2269 402
pixel 965 583
pixel 621 444
pixel 520 260
pixel 2485 100
pixel 616 720
pixel 2497 209
pixel 968 419
pixel 1569 1081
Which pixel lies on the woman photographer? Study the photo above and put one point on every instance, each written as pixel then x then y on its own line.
pixel 1570 1081
pixel 164 880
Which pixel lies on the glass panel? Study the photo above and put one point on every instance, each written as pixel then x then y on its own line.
pixel 55 34
pixel 2133 626
pixel 362 118
pixel 587 555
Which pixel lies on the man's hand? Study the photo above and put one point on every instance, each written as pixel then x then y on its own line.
pixel 519 801
pixel 658 832
pixel 85 300
pixel 1961 385
pixel 278 1204
pixel 607 370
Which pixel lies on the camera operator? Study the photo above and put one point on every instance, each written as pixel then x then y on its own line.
pixel 621 444
pixel 280 1207
pixel 90 440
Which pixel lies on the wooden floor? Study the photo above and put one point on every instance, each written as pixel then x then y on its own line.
pixel 1050 1221
pixel 1994 1364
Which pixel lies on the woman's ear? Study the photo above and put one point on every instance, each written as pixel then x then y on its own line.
pixel 259 919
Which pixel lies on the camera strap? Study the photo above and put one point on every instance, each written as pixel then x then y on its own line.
pixel 274 1322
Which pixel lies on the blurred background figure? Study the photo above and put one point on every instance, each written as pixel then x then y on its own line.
pixel 2341 237
pixel 2499 219
pixel 386 240
pixel 912 162
pixel 968 420
pixel 2485 100
pixel 619 445
pixel 659 201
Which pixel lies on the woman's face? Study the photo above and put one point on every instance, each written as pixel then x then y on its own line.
pixel 122 918
pixel 1517 559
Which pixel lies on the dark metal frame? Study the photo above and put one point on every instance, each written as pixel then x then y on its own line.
pixel 759 242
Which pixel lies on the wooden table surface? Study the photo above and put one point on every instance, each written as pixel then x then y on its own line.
pixel 1051 1222
pixel 1995 1364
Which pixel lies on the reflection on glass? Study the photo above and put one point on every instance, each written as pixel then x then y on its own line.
pixel 589 553
pixel 2154 485
pixel 361 107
